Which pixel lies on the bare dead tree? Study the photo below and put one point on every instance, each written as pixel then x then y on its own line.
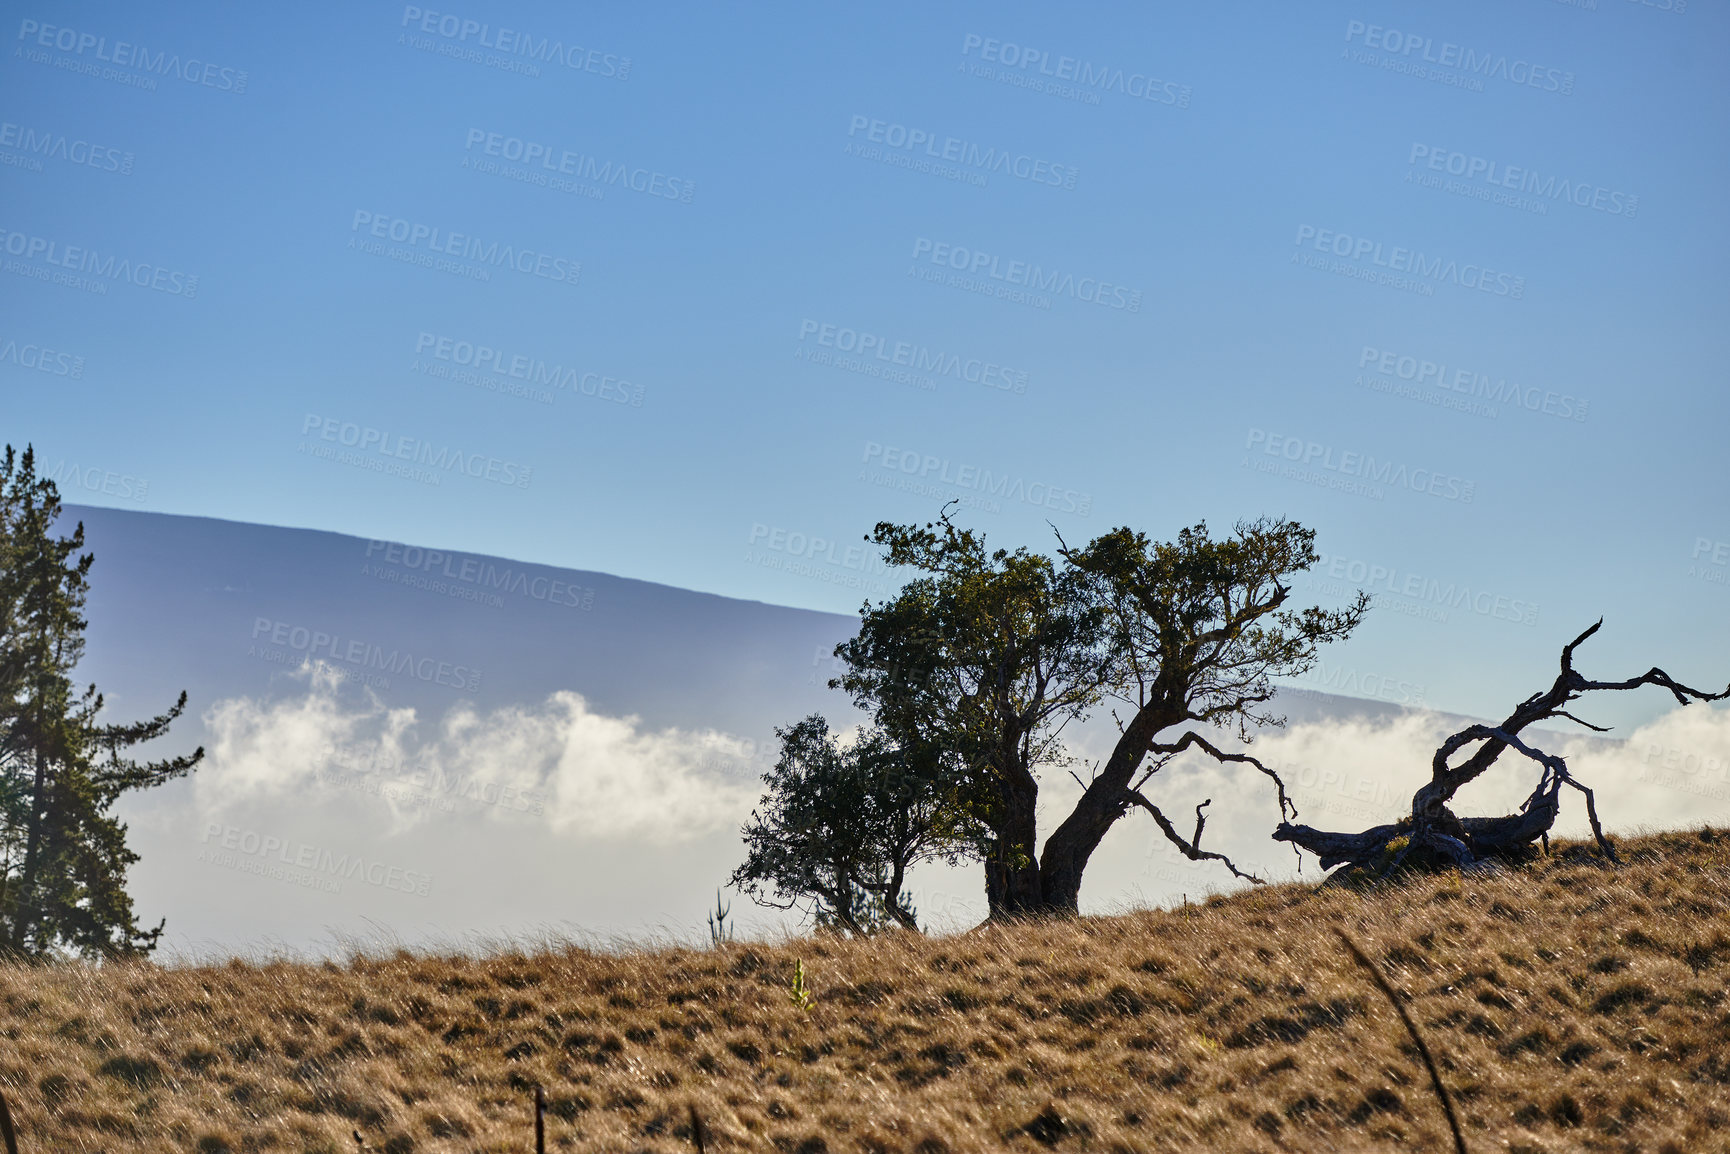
pixel 1434 835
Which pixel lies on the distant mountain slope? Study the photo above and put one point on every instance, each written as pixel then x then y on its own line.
pixel 222 608
pixel 196 602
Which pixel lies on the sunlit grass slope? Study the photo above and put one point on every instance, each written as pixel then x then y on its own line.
pixel 1572 1007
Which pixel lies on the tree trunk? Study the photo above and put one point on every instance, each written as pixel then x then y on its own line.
pixel 1012 886
pixel 23 916
pixel 892 899
pixel 1105 800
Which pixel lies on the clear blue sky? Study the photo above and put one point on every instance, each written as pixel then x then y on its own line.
pixel 1273 130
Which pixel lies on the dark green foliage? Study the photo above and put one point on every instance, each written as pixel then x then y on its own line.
pixel 984 656
pixel 63 857
pixel 841 826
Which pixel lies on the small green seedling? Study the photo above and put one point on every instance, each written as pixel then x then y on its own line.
pixel 799 995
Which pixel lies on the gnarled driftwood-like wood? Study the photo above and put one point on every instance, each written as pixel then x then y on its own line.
pixel 1433 834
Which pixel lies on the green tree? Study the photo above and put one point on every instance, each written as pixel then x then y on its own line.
pixel 986 655
pixel 63 856
pixel 1198 628
pixel 992 654
pixel 841 826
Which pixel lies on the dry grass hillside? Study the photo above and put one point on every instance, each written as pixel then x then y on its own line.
pixel 1572 1007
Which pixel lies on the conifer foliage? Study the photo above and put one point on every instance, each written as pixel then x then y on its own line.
pixel 63 855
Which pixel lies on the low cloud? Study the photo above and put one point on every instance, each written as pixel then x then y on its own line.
pixel 580 772
pixel 1349 774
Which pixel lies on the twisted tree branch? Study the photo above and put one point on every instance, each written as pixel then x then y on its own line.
pixel 1191 849
pixel 1433 827
pixel 1192 738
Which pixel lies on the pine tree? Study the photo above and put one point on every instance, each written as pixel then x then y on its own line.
pixel 63 856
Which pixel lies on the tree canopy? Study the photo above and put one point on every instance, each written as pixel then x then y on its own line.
pixel 843 823
pixel 986 656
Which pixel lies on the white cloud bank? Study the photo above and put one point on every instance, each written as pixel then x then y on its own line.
pixel 557 767
pixel 1349 774
pixel 581 772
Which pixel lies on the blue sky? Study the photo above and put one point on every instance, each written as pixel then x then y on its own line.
pixel 1273 135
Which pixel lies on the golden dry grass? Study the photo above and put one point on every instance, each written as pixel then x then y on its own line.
pixel 1571 1007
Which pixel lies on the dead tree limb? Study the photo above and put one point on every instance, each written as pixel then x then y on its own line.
pixel 1192 738
pixel 1434 835
pixel 1190 849
pixel 1163 753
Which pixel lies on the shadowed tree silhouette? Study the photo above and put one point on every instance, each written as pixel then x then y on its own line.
pixel 989 655
pixel 842 825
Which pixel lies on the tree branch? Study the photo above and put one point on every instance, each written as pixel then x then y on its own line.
pixel 1191 850
pixel 1552 765
pixel 1446 780
pixel 1192 738
pixel 1587 724
pixel 1433 827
